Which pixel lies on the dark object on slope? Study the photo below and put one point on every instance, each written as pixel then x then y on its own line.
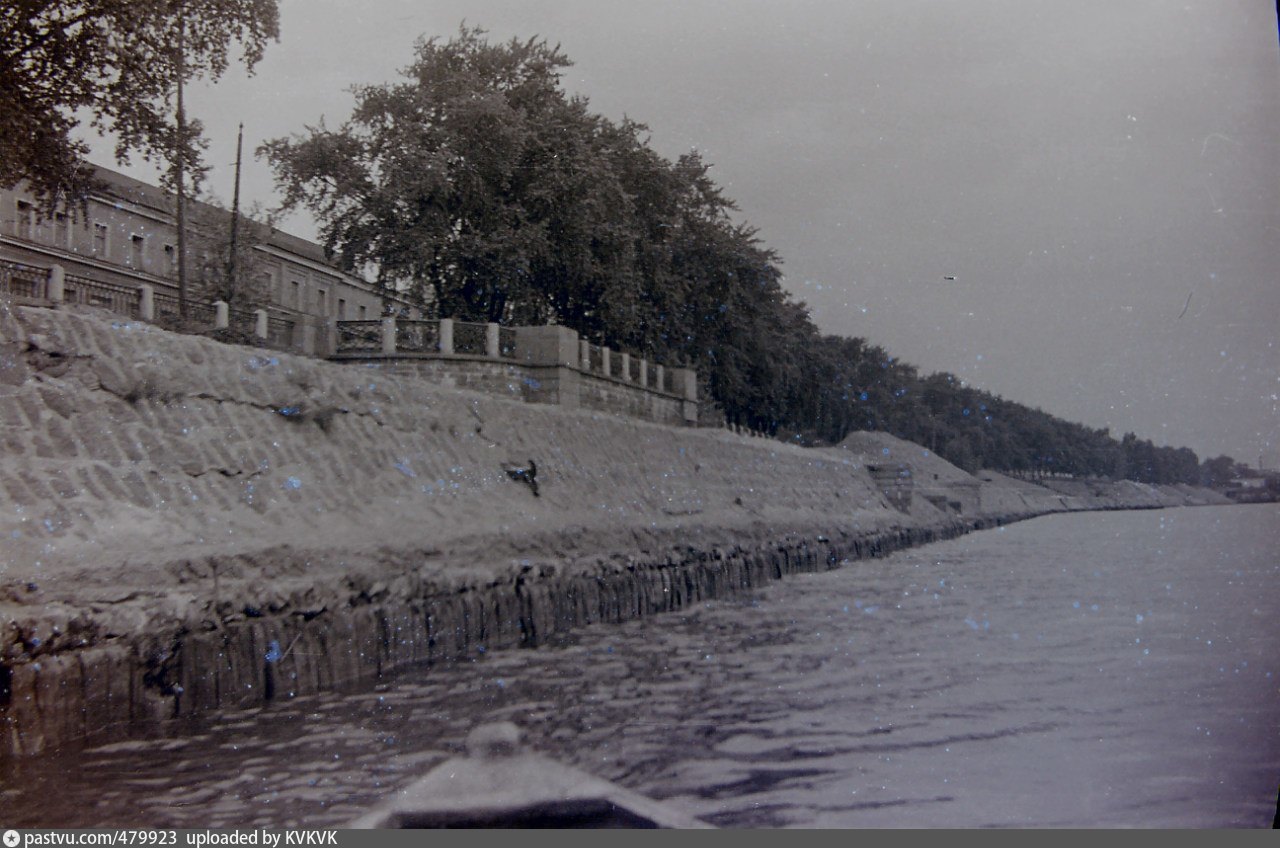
pixel 527 475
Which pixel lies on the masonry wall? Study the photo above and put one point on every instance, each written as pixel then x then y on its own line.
pixel 499 378
pixel 545 384
pixel 190 525
pixel 597 392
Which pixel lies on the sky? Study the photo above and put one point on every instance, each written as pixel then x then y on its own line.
pixel 1101 179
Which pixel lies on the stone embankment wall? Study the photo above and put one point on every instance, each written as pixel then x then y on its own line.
pixel 535 384
pixel 187 525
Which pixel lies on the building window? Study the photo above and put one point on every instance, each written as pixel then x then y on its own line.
pixel 342 309
pixel 362 313
pixel 171 258
pixel 100 239
pixel 297 296
pixel 26 219
pixel 137 254
pixel 322 303
pixel 61 230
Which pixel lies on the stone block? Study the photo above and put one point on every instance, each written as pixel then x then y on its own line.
pixel 106 478
pixel 85 477
pixel 11 443
pixel 33 408
pixel 13 367
pixel 62 485
pixel 59 436
pixel 549 345
pixel 11 415
pixel 100 444
pixel 17 491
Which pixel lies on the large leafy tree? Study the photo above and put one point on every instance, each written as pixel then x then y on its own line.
pixel 442 185
pixel 477 185
pixel 116 62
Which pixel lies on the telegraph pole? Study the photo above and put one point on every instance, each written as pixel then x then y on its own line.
pixel 179 162
pixel 235 218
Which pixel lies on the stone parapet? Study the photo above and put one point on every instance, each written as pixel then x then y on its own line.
pixel 551 365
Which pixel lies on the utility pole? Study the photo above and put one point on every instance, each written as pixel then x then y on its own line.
pixel 235 218
pixel 179 162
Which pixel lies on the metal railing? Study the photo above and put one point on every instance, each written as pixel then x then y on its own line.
pixel 166 305
pixel 123 300
pixel 417 336
pixel 279 332
pixel 168 310
pixel 595 359
pixel 24 280
pixel 243 321
pixel 422 337
pixel 359 336
pixel 469 339
pixel 507 343
pixel 33 283
pixel 202 313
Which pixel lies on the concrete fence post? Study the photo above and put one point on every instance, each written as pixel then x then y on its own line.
pixel 221 315
pixel 584 355
pixel 147 302
pixel 330 337
pixel 552 354
pixel 606 361
pixel 626 367
pixel 446 336
pixel 260 323
pixel 492 344
pixel 685 382
pixel 659 378
pixel 644 372
pixel 308 334
pixel 57 284
pixel 684 385
pixel 389 335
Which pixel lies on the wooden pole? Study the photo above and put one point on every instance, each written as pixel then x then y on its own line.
pixel 179 168
pixel 235 219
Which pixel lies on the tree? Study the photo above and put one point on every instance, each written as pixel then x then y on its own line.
pixel 480 188
pixel 210 248
pixel 119 61
pixel 1217 471
pixel 441 184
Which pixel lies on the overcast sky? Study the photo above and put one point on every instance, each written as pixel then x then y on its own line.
pixel 1081 169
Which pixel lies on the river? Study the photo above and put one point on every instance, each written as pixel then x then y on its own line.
pixel 1095 669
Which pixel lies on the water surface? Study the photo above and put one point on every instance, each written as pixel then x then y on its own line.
pixel 1098 669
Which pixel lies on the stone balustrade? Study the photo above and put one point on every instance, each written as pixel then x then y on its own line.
pixel 547 364
pixel 53 286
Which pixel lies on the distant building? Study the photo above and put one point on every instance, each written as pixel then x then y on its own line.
pixel 129 237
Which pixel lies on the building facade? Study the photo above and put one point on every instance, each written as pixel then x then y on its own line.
pixel 127 237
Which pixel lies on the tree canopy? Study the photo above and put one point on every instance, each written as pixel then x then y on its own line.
pixel 118 61
pixel 479 187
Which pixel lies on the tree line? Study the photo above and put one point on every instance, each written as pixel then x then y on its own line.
pixel 479 188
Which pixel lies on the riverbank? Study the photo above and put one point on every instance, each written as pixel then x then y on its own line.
pixel 189 525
